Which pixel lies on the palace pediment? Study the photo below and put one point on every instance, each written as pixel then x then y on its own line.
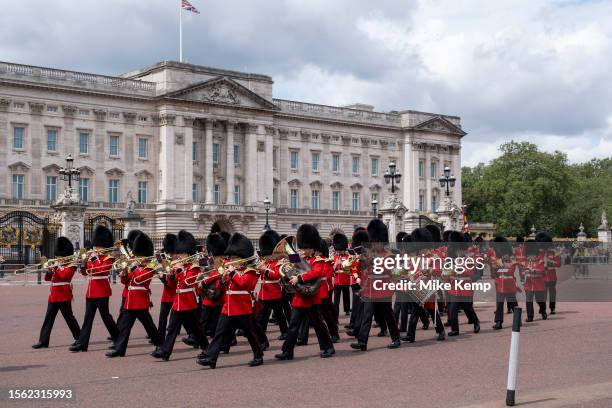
pixel 224 91
pixel 441 125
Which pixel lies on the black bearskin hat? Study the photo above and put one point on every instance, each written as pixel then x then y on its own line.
pixel 399 237
pixel 63 247
pixel 239 246
pixel 215 228
pixel 499 238
pixel 358 229
pixel 340 242
pixel 169 244
pixel 131 237
pixel 407 238
pixel 455 236
pixel 359 239
pixel 87 244
pixel 143 246
pixel 503 249
pixel 479 239
pixel 421 235
pixel 445 235
pixel 267 242
pixel 467 237
pixel 435 232
pixel 456 243
pixel 532 248
pixel 215 244
pixel 543 237
pixel 378 231
pixel 186 243
pixel 226 236
pixel 323 248
pixel 102 237
pixel 283 236
pixel 520 238
pixel 308 237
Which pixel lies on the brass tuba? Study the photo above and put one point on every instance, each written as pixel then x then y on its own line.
pixel 291 264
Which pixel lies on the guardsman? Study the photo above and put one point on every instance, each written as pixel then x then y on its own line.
pixel 401 307
pixel 212 294
pixel 185 306
pixel 551 261
pixel 238 280
pixel 342 279
pixel 138 299
pixel 533 275
pixel 97 271
pixel 359 239
pixel 460 297
pixel 505 275
pixel 307 307
pixel 377 299
pixel 327 307
pixel 169 285
pixel 60 296
pixel 270 292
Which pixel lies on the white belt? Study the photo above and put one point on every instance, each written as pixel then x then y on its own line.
pixel 185 290
pixel 137 288
pixel 238 292
pixel 98 277
pixel 60 283
pixel 272 281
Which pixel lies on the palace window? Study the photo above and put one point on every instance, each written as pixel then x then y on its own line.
pixel 335 200
pixel 142 192
pixel 194 192
pixel 374 166
pixel 236 154
pixel 18 137
pixel 293 159
pixel 142 147
pixel 113 143
pixel 215 153
pixel 18 186
pixel 355 164
pixel 84 189
pixel 315 200
pixel 356 201
pixel 336 163
pixel 433 169
pixel 113 191
pixel 194 152
pixel 51 188
pixel 52 140
pixel 375 197
pixel 421 202
pixel 217 194
pixel 83 143
pixel 421 168
pixel 275 197
pixel 237 195
pixel 434 203
pixel 294 198
pixel 314 158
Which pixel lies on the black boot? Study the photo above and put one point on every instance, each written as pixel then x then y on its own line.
pixel 114 353
pixel 328 353
pixel 264 346
pixel 498 326
pixel 77 347
pixel 257 361
pixel 39 345
pixel 394 344
pixel 441 336
pixel 409 339
pixel 207 362
pixel 359 346
pixel 382 333
pixel 451 333
pixel 335 339
pixel 477 327
pixel 158 353
pixel 284 356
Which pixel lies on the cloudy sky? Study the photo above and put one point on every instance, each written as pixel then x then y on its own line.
pixel 516 69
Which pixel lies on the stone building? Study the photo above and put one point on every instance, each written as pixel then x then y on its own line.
pixel 193 146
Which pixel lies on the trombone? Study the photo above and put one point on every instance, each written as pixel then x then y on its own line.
pixel 46 264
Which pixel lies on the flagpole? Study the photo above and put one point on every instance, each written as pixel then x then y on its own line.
pixel 180 31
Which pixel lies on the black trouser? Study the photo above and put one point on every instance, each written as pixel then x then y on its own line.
pixel 540 298
pixel 209 317
pixel 286 302
pixel 264 316
pixel 346 299
pixel 120 317
pixel 189 319
pixel 127 322
pixel 510 299
pixel 298 315
pixel 162 325
pixel 329 315
pixel 356 315
pixel 419 312
pixel 356 304
pixel 465 303
pixel 71 321
pixel 91 305
pixel 385 311
pixel 225 330
pixel 551 292
pixel 401 310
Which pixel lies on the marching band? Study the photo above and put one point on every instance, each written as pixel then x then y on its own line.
pixel 227 288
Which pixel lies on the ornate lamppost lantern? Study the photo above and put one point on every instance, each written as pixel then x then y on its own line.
pixel 267 207
pixel 392 176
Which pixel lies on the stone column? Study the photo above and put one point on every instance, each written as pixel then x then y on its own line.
pixel 604 234
pixel 251 175
pixel 268 162
pixel 37 137
pixel 4 145
pixel 283 169
pixel 428 181
pixel 208 162
pixel 229 165
pixel 392 212
pixel 409 176
pixel 188 158
pixel 166 161
pixel 131 221
pixel 456 169
pixel 71 217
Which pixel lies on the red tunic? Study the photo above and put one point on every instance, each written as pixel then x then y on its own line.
pixel 185 278
pixel 138 293
pixel 551 261
pixel 238 296
pixel 458 287
pixel 97 272
pixel 373 284
pixel 534 273
pixel 270 283
pixel 328 272
pixel 61 288
pixel 211 280
pixel 505 278
pixel 519 254
pixel 340 278
pixel 169 290
pixel 317 270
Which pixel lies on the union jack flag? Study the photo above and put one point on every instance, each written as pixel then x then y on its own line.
pixel 189 7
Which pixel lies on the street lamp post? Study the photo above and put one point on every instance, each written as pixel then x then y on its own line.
pixel 375 207
pixel 69 173
pixel 392 176
pixel 447 181
pixel 267 206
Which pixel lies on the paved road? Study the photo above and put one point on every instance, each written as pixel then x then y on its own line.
pixel 564 361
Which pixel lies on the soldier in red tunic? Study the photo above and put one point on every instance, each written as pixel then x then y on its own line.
pixel 505 274
pixel 60 297
pixel 359 238
pixel 270 292
pixel 97 270
pixel 169 286
pixel 307 307
pixel 533 275
pixel 138 299
pixel 212 294
pixel 551 261
pixel 185 306
pixel 342 279
pixel 376 298
pixel 238 281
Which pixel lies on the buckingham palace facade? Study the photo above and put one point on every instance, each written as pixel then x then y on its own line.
pixel 190 146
